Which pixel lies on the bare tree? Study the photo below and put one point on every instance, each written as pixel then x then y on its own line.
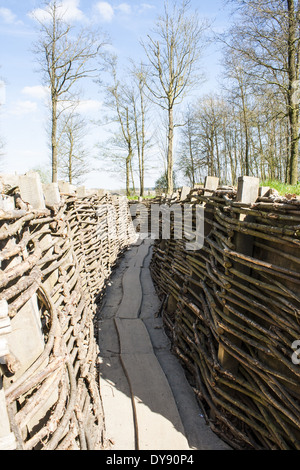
pixel 73 163
pixel 140 113
pixel 65 57
pixel 2 102
pixel 173 51
pixel 266 39
pixel 190 159
pixel 128 107
pixel 120 102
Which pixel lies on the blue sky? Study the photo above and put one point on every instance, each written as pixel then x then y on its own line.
pixel 23 117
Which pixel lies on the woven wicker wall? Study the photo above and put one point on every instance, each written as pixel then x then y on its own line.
pixel 54 265
pixel 233 317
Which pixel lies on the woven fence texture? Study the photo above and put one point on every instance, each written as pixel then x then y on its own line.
pixel 54 265
pixel 233 315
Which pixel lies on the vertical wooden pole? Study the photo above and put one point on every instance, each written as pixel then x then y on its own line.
pixel 247 192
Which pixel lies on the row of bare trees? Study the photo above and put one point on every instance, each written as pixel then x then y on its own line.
pixel 250 127
pixel 127 117
pixel 172 51
pixel 225 139
pixel 265 41
pixel 161 82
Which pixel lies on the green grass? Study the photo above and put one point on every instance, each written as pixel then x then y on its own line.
pixel 282 188
pixel 135 198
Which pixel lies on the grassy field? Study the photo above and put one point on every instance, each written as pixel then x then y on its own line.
pixel 282 188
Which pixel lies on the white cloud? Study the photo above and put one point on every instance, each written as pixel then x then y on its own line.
pixel 69 11
pixel 72 11
pixel 124 8
pixel 2 92
pixel 21 108
pixel 146 6
pixel 40 14
pixel 8 16
pixel 106 11
pixel 37 92
pixel 89 106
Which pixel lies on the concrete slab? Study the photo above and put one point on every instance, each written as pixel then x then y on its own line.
pixel 211 183
pixel 108 338
pixel 133 337
pixel 26 341
pixel 159 423
pixel 31 190
pixel 138 260
pixel 132 294
pixel 198 433
pixel 51 194
pixel 185 191
pixel 117 405
pixel 157 334
pixel 148 403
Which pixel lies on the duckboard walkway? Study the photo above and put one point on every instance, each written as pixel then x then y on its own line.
pixel 148 403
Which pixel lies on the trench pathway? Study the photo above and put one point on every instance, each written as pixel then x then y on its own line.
pixel 148 403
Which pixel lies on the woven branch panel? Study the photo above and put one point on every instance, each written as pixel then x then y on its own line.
pixel 54 265
pixel 234 314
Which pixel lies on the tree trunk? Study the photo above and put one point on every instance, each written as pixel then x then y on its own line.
pixel 170 183
pixel 293 107
pixel 54 141
pixel 132 177
pixel 54 99
pixel 71 160
pixel 192 159
pixel 246 129
pixel 128 160
pixel 142 178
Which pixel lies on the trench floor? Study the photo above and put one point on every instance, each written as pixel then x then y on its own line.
pixel 148 403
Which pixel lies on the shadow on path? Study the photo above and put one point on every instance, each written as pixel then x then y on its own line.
pixel 148 403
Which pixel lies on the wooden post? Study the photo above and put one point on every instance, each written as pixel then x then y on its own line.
pixel 248 190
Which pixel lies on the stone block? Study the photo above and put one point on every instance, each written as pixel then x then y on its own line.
pixel 264 191
pixel 51 193
pixel 7 203
pixel 211 183
pixel 7 438
pixel 247 191
pixel 66 188
pixel 91 192
pixel 26 341
pixel 81 192
pixel 3 308
pixel 5 329
pixel 31 190
pixel 185 191
pixel 9 180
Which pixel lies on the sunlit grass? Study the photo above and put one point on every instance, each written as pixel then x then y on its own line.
pixel 135 198
pixel 282 188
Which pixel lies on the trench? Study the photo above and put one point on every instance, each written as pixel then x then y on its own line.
pixel 147 401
